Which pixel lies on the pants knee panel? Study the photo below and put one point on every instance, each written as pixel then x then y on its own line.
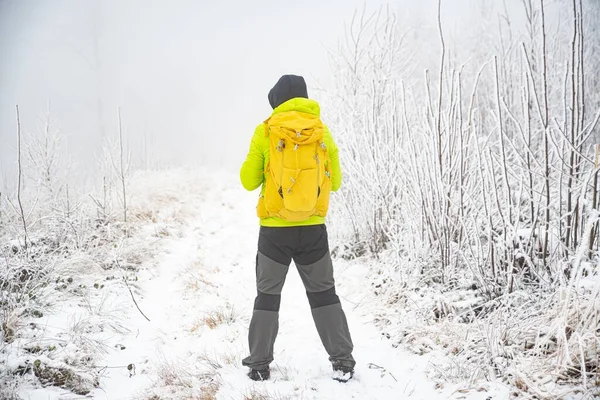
pixel 324 298
pixel 267 302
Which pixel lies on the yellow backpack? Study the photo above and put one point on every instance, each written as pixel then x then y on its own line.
pixel 298 181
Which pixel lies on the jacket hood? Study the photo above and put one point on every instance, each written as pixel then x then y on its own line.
pixel 287 87
pixel 299 105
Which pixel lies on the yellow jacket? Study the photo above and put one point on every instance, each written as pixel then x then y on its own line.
pixel 252 173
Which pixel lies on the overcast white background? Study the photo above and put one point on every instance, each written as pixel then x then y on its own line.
pixel 191 77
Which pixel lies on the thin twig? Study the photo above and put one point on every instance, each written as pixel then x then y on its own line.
pixel 546 141
pixel 19 190
pixel 375 366
pixel 132 296
pixel 122 172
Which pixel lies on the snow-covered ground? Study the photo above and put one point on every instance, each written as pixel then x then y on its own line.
pixel 197 290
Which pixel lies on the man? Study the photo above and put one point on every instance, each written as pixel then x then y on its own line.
pixel 294 159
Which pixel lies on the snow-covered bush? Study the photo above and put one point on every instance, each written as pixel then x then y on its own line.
pixel 489 165
pixel 65 257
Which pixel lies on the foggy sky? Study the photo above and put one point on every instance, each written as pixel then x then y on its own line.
pixel 191 77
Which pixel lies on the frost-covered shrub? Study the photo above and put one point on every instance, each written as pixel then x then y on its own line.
pixel 489 166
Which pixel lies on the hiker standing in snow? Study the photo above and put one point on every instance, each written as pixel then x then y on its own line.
pixel 294 159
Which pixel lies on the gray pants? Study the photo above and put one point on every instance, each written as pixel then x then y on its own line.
pixel 308 247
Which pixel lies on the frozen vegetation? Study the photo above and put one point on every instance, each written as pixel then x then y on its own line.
pixel 464 236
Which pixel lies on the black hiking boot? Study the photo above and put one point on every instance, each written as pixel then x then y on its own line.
pixel 342 373
pixel 259 374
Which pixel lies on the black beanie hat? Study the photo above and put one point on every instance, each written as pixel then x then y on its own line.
pixel 286 88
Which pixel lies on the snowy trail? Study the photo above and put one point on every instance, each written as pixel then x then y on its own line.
pixel 199 302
